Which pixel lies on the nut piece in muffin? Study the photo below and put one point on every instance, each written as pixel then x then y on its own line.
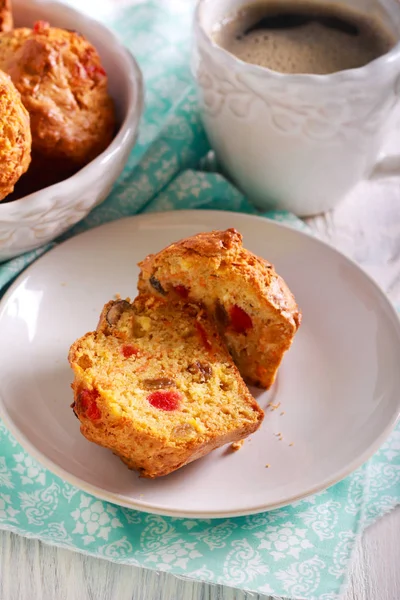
pixel 15 136
pixel 64 88
pixel 156 385
pixel 255 310
pixel 6 18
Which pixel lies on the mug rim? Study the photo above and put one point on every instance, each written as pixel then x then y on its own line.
pixel 323 78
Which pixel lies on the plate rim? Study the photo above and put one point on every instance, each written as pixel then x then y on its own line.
pixel 143 506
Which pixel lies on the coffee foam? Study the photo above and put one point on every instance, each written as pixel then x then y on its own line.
pixel 310 48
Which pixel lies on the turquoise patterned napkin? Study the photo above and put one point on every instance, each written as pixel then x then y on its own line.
pixel 301 551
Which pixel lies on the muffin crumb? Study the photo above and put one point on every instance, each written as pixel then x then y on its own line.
pixel 237 445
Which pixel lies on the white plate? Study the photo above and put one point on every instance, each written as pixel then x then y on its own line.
pixel 339 385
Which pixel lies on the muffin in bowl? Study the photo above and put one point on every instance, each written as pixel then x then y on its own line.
pixel 63 85
pixel 6 18
pixel 15 136
pixel 28 220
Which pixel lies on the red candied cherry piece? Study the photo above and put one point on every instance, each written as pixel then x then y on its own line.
pixel 90 63
pixel 182 291
pixel 41 26
pixel 165 399
pixel 93 412
pixel 128 350
pixel 203 335
pixel 87 400
pixel 93 69
pixel 240 320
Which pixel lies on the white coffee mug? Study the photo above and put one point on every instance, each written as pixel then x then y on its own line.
pixel 297 142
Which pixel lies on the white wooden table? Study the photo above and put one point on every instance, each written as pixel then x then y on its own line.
pixel 367 228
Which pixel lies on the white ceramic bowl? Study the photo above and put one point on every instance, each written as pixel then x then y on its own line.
pixel 32 221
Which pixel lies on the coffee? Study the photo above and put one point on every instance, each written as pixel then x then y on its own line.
pixel 300 37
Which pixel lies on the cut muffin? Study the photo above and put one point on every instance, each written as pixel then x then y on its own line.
pixel 255 311
pixel 156 385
